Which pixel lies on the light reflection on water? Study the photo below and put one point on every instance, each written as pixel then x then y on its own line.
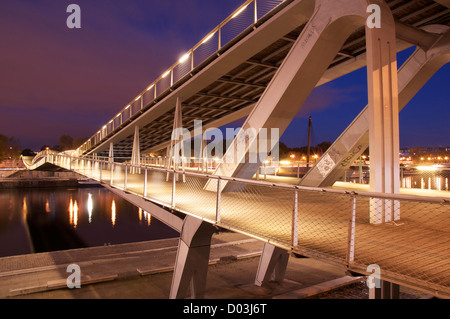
pixel 426 180
pixel 38 220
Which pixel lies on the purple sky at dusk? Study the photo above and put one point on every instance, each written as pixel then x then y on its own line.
pixel 55 80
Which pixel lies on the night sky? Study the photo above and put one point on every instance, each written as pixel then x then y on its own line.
pixel 55 80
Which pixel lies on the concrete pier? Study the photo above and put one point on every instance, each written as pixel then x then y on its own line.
pixel 144 271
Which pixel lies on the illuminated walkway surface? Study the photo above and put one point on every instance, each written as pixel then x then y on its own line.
pixel 414 249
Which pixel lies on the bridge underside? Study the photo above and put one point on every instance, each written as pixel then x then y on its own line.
pixel 229 85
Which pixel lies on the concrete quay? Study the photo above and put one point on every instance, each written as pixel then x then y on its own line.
pixel 144 271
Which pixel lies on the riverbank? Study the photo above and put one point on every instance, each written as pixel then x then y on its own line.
pixel 13 179
pixel 144 271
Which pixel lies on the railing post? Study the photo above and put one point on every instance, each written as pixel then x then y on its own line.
pixel 125 178
pixel 219 191
pixel 351 232
pixel 101 170
pixel 295 220
pixel 256 11
pixel 145 182
pixel 174 180
pixel 112 173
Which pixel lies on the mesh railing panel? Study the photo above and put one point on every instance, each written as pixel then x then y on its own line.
pixel 323 222
pixel 158 188
pixel 191 196
pixel 416 245
pixel 238 24
pixel 206 49
pixel 265 6
pixel 261 210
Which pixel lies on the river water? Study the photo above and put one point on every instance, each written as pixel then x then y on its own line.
pixel 47 219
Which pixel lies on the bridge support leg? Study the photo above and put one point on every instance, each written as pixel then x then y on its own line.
pixel 136 153
pixel 177 143
pixel 383 119
pixel 111 152
pixel 387 290
pixel 191 266
pixel 272 265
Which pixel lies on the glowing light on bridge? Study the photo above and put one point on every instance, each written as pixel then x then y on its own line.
pixel 184 58
pixel 239 12
pixel 208 38
pixel 166 74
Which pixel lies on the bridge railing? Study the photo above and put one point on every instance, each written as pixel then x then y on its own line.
pixel 250 13
pixel 408 241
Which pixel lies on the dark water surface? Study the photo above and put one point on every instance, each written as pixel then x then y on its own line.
pixel 46 219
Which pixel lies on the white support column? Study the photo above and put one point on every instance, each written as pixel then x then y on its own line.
pixel 272 265
pixel 412 76
pixel 176 143
pixel 191 266
pixel 332 22
pixel 136 153
pixel 111 152
pixel 111 163
pixel 383 117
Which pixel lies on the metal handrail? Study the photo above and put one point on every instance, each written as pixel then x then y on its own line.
pixel 275 185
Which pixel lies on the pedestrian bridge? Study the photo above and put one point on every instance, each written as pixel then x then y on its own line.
pixel 262 63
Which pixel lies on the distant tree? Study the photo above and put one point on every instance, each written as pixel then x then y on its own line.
pixel 323 147
pixel 28 152
pixel 284 150
pixel 45 146
pixel 78 142
pixel 65 143
pixel 9 148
